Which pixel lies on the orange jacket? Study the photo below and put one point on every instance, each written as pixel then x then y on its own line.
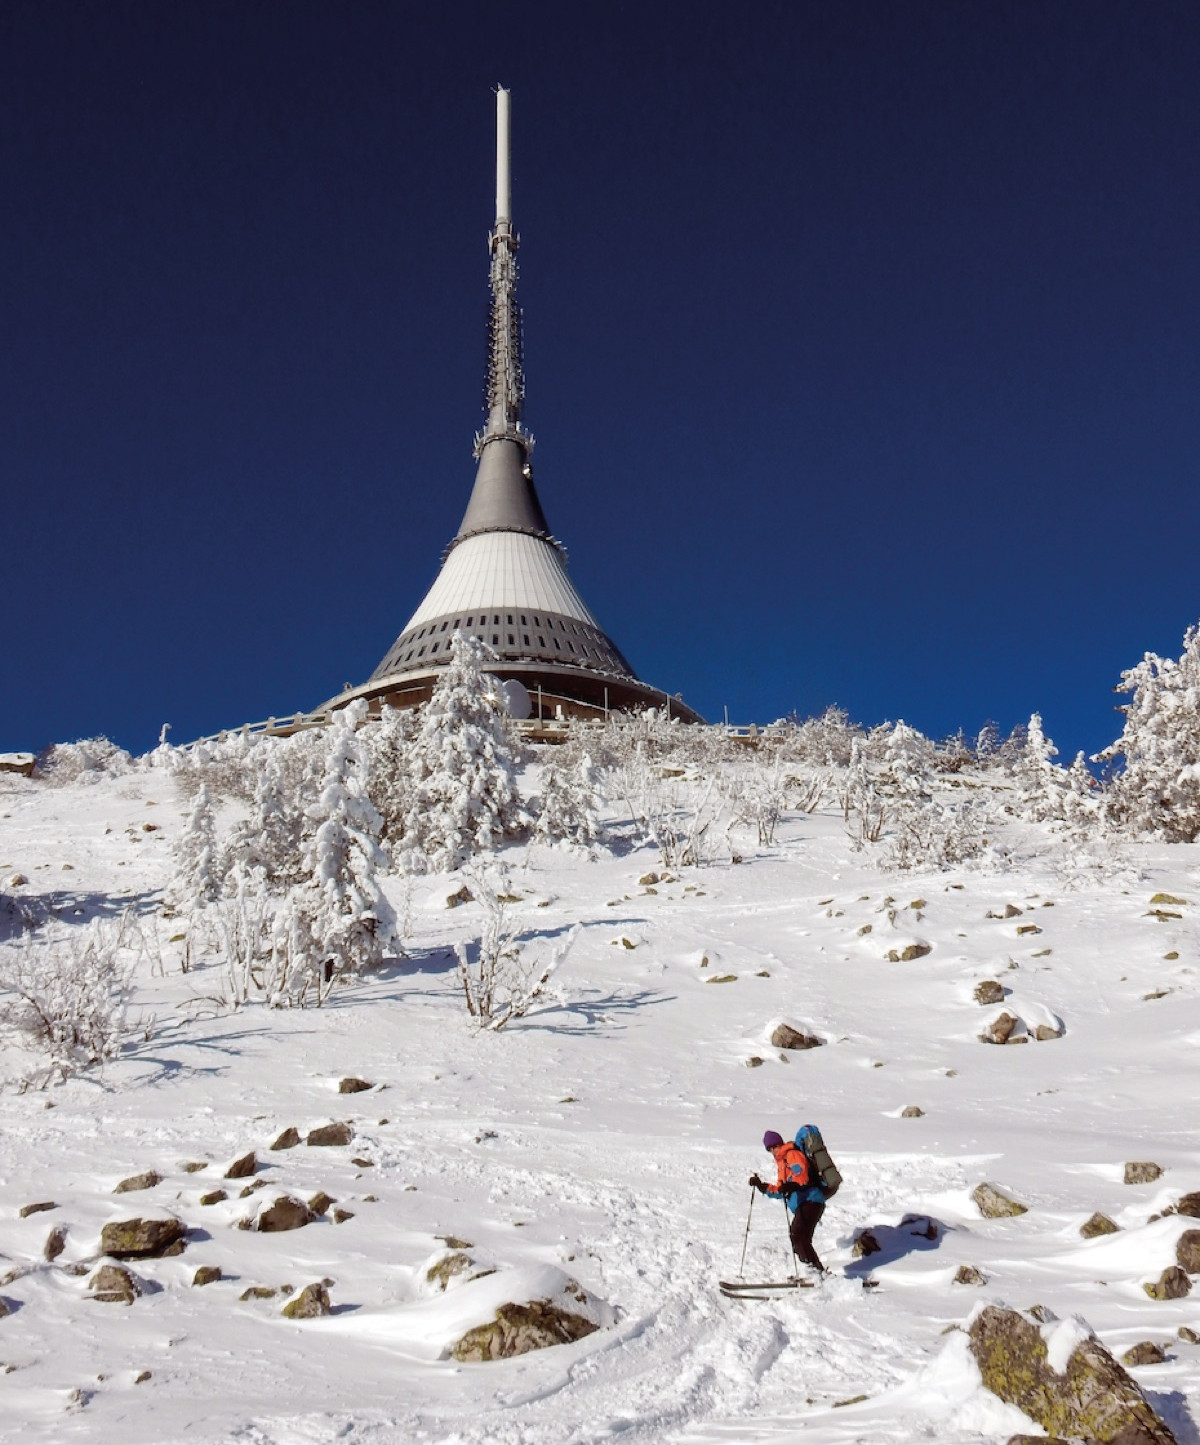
pixel 795 1176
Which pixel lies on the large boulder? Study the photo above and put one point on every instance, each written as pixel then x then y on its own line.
pixel 312 1301
pixel 1086 1395
pixel 1187 1251
pixel 113 1285
pixel 519 1328
pixel 142 1238
pixel 1097 1225
pixel 330 1135
pixel 1173 1283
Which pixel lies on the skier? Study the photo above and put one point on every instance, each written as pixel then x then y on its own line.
pixel 801 1190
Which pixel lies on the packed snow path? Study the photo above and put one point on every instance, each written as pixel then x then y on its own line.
pixel 610 1135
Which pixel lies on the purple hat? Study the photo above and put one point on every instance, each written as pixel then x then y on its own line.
pixel 771 1140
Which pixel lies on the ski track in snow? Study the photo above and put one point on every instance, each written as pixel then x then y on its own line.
pixel 636 1186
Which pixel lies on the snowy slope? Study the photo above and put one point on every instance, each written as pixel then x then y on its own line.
pixel 608 1138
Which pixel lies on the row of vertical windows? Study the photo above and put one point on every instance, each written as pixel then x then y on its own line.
pixel 583 649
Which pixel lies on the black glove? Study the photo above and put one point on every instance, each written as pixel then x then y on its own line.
pixel 756 1182
pixel 789 1190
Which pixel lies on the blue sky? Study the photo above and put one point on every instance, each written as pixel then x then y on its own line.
pixel 862 346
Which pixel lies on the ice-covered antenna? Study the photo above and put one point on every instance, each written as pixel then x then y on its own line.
pixel 504 392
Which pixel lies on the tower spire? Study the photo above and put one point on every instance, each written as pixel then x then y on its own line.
pixel 505 390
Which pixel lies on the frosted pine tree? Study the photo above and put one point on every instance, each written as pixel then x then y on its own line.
pixel 463 766
pixel 1158 793
pixel 389 782
pixel 336 921
pixel 287 781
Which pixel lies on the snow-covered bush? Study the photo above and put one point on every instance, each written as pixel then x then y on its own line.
pixel 1040 784
pixel 67 990
pixel 462 768
pixel 388 740
pixel 284 776
pixel 1158 792
pixel 933 835
pixel 85 761
pixel 499 978
pixel 227 766
pixel 335 921
pixel 197 874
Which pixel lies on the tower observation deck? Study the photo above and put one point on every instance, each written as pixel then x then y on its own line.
pixel 504 578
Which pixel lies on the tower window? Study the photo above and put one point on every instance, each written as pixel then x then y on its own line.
pixel 570 644
pixel 511 639
pixel 470 622
pixel 434 648
pixel 495 640
pixel 526 636
pixel 510 623
pixel 541 642
pixel 420 652
pixel 557 645
pixel 523 622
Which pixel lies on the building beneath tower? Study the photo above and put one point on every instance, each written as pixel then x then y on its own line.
pixel 504 578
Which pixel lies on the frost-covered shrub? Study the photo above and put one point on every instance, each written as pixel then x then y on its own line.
pixel 67 991
pixel 1040 784
pixel 933 835
pixel 335 921
pixel 499 976
pixel 463 768
pixel 227 766
pixel 389 740
pixel 85 761
pixel 197 875
pixel 1158 792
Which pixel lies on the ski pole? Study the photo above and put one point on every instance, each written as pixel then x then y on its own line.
pixel 746 1238
pixel 788 1219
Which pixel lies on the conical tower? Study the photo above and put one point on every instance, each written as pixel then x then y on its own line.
pixel 504 578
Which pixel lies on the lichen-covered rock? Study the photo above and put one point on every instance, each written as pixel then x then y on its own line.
pixel 113 1285
pixel 1001 1029
pixel 908 953
pixel 1191 1336
pixel 912 1111
pixel 354 1086
pixel 287 1140
pixel 1142 1171
pixel 56 1242
pixel 206 1274
pixel 1173 1283
pixel 320 1202
pixel 138 1181
pixel 1044 1032
pixel 141 1238
pixel 968 1274
pixel 214 1196
pixel 41 1208
pixel 449 1267
pixel 242 1167
pixel 286 1212
pixel 1092 1396
pixel 1187 1251
pixel 993 1203
pixel 866 1242
pixel 313 1300
pixel 784 1036
pixel 1097 1225
pixel 1189 1205
pixel 258 1291
pixel 988 991
pixel 1145 1352
pixel 519 1328
pixel 330 1135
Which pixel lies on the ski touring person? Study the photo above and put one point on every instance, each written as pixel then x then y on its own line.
pixel 800 1187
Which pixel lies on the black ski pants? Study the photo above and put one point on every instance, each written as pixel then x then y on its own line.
pixel 801 1230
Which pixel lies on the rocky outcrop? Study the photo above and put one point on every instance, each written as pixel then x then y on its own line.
pixel 1173 1283
pixel 1097 1225
pixel 312 1301
pixel 242 1167
pixel 330 1135
pixel 519 1328
pixel 138 1181
pixel 287 1212
pixel 113 1285
pixel 287 1140
pixel 142 1238
pixel 784 1036
pixel 1091 1397
pixel 1142 1171
pixel 993 1203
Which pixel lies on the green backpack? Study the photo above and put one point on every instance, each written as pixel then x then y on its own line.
pixel 808 1138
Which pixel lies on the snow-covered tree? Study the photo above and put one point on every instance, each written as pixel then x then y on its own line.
pixel 198 873
pixel 389 781
pixel 1039 782
pixel 1158 792
pixel 569 801
pixel 287 779
pixel 463 767
pixel 336 921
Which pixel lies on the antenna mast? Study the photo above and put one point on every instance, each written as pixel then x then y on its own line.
pixel 504 393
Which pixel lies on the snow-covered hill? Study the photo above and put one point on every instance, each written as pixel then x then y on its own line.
pixel 607 1138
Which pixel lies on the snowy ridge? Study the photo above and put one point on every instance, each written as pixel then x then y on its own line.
pixel 606 1138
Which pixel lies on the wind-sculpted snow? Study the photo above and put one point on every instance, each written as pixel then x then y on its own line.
pixel 606 1137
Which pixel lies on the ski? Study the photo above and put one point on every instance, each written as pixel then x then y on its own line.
pixel 738 1286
